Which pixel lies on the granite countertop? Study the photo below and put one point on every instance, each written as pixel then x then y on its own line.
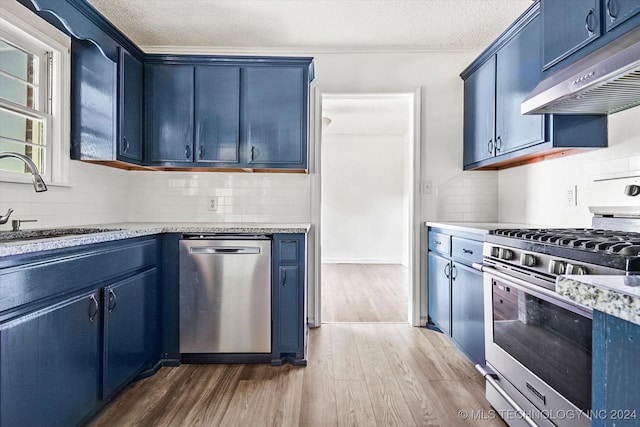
pixel 117 231
pixel 478 227
pixel 615 295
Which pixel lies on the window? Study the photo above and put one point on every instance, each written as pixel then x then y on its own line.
pixel 34 93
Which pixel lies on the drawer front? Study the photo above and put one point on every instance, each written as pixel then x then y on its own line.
pixel 466 250
pixel 439 242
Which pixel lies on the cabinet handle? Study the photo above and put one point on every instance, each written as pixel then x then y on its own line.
pixel 612 9
pixel 126 144
pixel 588 22
pixel 187 151
pixel 498 144
pixel 113 301
pixel 467 251
pixel 93 307
pixel 201 152
pixel 253 152
pixel 284 277
pixel 437 242
pixel 454 273
pixel 447 270
pixel 490 146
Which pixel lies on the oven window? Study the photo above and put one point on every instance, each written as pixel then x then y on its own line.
pixel 550 341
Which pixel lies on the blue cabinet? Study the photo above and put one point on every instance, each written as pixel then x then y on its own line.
pixel 496 135
pixel 568 26
pixel 76 325
pixel 619 11
pixel 50 364
pixel 615 392
pixel 130 313
pixel 170 113
pixel 130 117
pixel 289 313
pixel 217 112
pixel 455 290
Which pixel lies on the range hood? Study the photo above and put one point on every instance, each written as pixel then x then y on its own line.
pixel 604 82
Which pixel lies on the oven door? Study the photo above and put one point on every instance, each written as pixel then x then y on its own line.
pixel 540 343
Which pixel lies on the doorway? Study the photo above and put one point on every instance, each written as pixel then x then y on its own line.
pixel 367 171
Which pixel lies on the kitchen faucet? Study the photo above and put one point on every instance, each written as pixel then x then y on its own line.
pixel 38 183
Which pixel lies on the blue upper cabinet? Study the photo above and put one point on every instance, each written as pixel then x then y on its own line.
pixel 275 116
pixel 496 134
pixel 217 115
pixel 170 113
pixel 619 11
pixel 220 112
pixel 568 26
pixel 130 90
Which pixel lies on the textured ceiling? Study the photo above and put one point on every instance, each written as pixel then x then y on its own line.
pixel 312 25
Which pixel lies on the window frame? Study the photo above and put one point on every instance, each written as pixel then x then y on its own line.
pixel 25 28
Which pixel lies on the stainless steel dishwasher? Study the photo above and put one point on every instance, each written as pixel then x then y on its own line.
pixel 225 294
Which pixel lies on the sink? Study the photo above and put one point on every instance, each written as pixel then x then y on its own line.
pixel 47 233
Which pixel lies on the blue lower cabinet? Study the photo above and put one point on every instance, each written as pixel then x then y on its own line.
pixel 467 311
pixel 289 301
pixel 130 310
pixel 50 364
pixel 615 392
pixel 439 291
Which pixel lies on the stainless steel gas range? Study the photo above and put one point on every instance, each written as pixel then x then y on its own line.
pixel 538 343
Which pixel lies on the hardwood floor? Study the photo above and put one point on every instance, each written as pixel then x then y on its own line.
pixel 358 374
pixel 364 293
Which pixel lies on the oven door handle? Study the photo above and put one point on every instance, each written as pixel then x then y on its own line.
pixel 537 291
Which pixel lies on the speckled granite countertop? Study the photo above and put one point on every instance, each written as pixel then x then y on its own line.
pixel 478 227
pixel 615 295
pixel 119 231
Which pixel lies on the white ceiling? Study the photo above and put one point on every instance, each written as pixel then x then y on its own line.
pixel 312 25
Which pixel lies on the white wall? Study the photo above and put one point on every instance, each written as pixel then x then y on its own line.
pixel 534 193
pixel 363 198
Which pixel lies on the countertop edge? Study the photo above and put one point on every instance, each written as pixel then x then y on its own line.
pixel 600 297
pixel 128 230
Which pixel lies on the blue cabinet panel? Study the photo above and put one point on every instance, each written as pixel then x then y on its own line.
pixel 618 11
pixel 217 110
pixel 130 310
pixel 289 319
pixel 467 311
pixel 567 27
pixel 518 70
pixel 274 116
pixel 170 115
pixel 479 113
pixel 615 392
pixel 93 100
pixel 439 292
pixel 50 364
pixel 130 91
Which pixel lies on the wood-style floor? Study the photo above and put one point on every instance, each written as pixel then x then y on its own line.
pixel 364 293
pixel 358 374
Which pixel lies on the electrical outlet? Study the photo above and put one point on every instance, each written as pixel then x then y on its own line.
pixel 212 204
pixel 571 195
pixel 427 187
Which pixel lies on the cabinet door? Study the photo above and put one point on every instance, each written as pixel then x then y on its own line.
pixel 170 113
pixel 130 334
pixel 479 113
pixel 518 71
pixel 439 292
pixel 50 364
pixel 93 100
pixel 567 27
pixel 130 107
pixel 275 114
pixel 217 110
pixel 467 311
pixel 618 11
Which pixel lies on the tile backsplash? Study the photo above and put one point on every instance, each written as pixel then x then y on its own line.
pixel 470 196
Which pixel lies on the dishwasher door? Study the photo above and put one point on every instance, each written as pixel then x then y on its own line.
pixel 225 296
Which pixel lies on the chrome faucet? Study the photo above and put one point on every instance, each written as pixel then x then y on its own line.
pixel 38 182
pixel 4 218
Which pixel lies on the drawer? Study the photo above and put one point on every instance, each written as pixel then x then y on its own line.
pixel 466 250
pixel 439 242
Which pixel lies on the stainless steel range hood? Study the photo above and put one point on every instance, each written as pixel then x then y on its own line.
pixel 604 82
